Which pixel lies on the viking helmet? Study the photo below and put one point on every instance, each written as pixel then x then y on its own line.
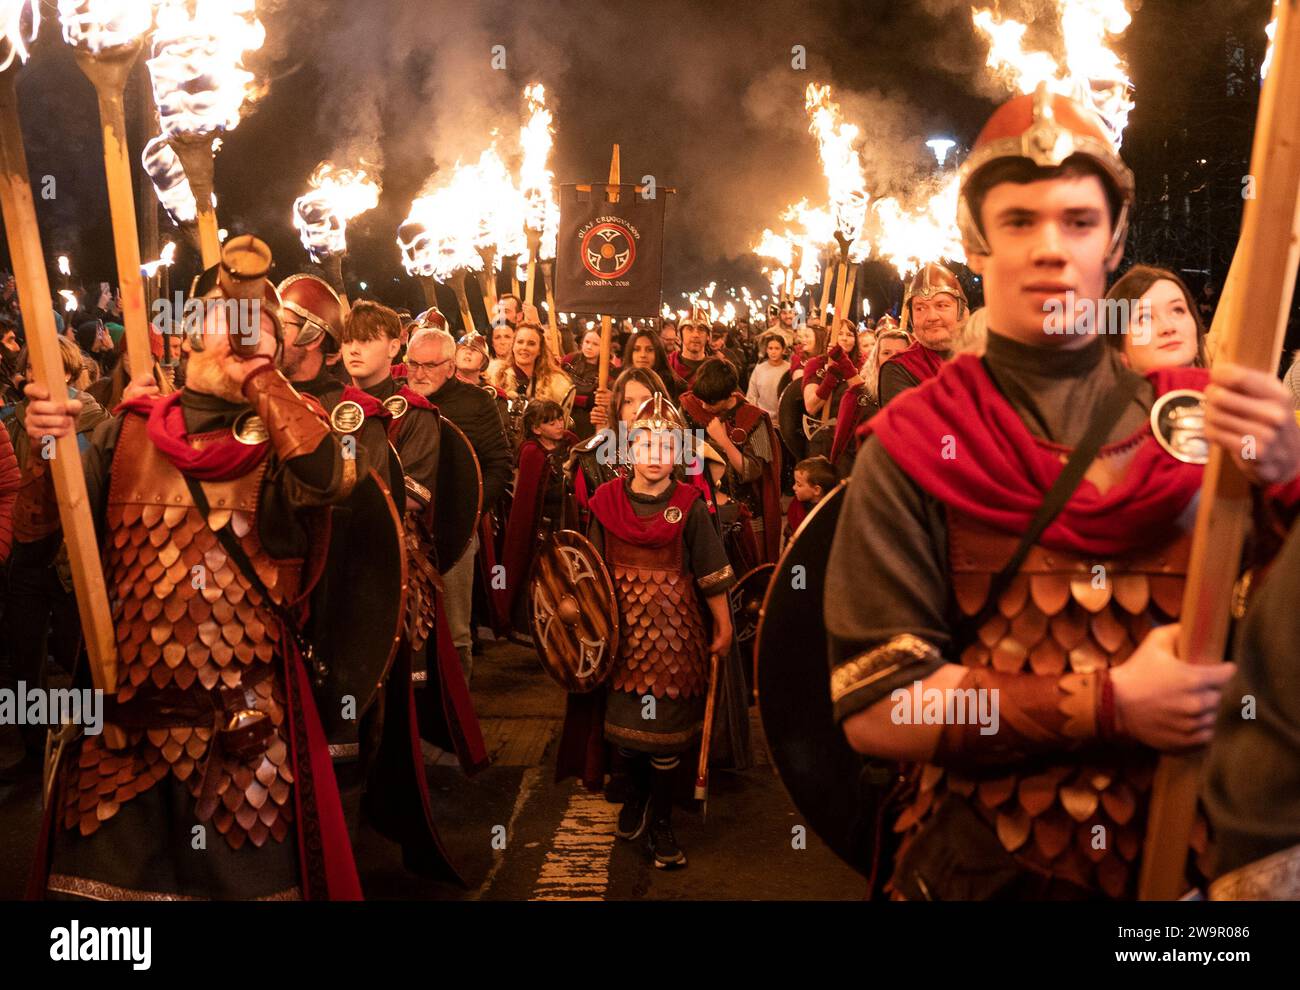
pixel 431 317
pixel 314 301
pixel 1046 129
pixel 658 415
pixel 931 280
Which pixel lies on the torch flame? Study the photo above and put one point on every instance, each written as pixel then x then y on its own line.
pixel 337 196
pixel 909 238
pixel 169 181
pixel 1271 31
pixel 97 26
pixel 843 167
pixel 11 24
pixel 64 267
pixel 1093 74
pixel 150 268
pixel 69 300
pixel 536 180
pixel 199 81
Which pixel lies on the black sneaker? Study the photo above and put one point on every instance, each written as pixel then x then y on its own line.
pixel 663 845
pixel 632 819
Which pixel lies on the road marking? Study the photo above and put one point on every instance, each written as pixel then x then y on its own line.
pixel 577 867
pixel 527 784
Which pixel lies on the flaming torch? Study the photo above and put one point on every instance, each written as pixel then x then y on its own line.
pixel 200 86
pixel 106 36
pixel 1093 74
pixel 537 186
pixel 844 175
pixel 437 241
pixel 19 20
pixel 321 216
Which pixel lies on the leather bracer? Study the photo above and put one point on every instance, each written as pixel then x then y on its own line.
pixel 1035 715
pixel 294 427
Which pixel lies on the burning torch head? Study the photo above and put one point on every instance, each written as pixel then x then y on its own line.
pixel 313 301
pixel 251 301
pixel 930 281
pixel 1044 129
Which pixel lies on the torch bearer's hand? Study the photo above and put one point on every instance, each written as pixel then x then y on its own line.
pixel 1252 416
pixel 143 387
pixel 48 417
pixel 237 366
pixel 600 408
pixel 1162 701
pixel 531 315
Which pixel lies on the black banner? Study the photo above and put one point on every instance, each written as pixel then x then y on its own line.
pixel 609 256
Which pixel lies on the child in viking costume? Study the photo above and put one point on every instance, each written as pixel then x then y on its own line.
pixel 663 554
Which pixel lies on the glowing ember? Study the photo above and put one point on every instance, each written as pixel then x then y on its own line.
pixel 909 238
pixel 1093 74
pixel 97 26
pixel 169 181
pixel 844 176
pixel 337 196
pixel 151 268
pixel 12 14
pixel 536 181
pixel 199 81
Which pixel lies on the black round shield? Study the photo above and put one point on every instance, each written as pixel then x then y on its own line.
pixel 822 775
pixel 746 602
pixel 459 498
pixel 789 419
pixel 358 604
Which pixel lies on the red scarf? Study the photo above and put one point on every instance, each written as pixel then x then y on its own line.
pixel 219 461
pixel 921 362
pixel 679 369
pixel 998 472
pixel 613 510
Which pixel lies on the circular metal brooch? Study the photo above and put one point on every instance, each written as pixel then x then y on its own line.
pixel 397 405
pixel 672 514
pixel 1178 422
pixel 249 429
pixel 347 416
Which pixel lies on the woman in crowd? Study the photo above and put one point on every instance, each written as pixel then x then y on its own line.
pixel 645 350
pixel 1159 325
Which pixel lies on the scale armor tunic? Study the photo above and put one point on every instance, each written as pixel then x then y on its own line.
pixel 188 624
pixel 1059 615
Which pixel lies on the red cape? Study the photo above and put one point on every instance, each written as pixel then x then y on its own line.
pixel 521 528
pixel 746 418
pixel 921 362
pixel 996 470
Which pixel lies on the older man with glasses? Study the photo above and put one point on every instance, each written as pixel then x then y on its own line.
pixel 431 370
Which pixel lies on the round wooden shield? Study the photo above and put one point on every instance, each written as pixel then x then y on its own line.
pixel 789 418
pixel 573 612
pixel 822 775
pixel 459 498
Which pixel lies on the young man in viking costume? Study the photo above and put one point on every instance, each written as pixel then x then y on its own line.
pixel 934 307
pixel 1000 637
pixel 214 780
pixel 661 547
pixel 742 433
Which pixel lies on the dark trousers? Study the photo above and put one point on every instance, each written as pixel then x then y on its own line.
pixel 40 619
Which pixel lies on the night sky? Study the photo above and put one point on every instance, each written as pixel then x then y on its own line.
pixel 702 96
